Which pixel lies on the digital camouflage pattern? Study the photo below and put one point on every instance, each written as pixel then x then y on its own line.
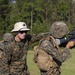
pixel 1 46
pixel 6 38
pixel 59 29
pixel 49 63
pixel 14 58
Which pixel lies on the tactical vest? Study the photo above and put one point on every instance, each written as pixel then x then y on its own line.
pixel 43 60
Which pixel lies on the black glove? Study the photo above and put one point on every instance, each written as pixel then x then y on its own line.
pixel 72 37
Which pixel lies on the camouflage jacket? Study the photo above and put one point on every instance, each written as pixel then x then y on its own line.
pixel 2 43
pixel 59 56
pixel 14 58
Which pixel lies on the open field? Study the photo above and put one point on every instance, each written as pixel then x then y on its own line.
pixel 67 68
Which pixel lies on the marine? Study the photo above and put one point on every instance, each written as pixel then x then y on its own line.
pixel 14 58
pixel 48 55
pixel 7 37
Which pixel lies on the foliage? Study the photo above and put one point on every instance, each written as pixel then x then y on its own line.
pixel 4 11
pixel 38 14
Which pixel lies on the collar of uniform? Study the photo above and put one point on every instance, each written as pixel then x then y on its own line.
pixel 20 44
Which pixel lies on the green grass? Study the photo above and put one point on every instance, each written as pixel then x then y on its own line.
pixel 67 68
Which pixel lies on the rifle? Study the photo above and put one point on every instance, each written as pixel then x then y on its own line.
pixel 72 34
pixel 64 39
pixel 67 38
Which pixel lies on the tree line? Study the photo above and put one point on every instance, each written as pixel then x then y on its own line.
pixel 38 14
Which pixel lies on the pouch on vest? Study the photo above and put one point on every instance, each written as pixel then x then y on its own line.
pixel 42 59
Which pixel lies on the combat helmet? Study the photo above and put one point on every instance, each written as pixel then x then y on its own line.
pixel 59 29
pixel 7 37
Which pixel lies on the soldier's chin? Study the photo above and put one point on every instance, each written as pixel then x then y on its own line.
pixel 22 38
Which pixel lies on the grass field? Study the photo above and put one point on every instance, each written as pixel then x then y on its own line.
pixel 67 68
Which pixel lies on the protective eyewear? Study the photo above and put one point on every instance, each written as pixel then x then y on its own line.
pixel 23 32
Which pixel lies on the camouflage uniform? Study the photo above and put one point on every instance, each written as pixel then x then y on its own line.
pixel 57 56
pixel 15 56
pixel 7 37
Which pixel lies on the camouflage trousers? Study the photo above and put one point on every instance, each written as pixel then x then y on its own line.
pixel 15 73
pixel 13 69
pixel 51 71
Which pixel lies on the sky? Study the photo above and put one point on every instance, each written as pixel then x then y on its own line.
pixel 13 1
